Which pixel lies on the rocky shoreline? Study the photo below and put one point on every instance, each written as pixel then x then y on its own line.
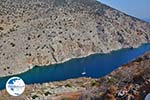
pixel 44 32
pixel 52 90
pixel 126 83
pixel 129 82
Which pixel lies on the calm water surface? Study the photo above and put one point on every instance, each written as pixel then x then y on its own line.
pixel 95 66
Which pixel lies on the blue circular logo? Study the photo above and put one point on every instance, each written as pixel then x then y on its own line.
pixel 147 97
pixel 15 86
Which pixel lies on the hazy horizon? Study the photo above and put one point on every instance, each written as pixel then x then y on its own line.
pixel 136 8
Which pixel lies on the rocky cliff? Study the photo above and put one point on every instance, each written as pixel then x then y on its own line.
pixel 43 32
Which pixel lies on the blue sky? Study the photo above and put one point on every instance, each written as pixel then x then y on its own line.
pixel 137 8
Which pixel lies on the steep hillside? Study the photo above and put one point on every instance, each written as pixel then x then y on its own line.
pixel 43 32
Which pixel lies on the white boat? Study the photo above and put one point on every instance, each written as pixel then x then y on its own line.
pixel 84 72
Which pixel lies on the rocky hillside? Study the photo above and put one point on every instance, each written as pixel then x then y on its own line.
pixel 43 32
pixel 129 82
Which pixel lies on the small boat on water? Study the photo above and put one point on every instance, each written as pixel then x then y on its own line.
pixel 84 72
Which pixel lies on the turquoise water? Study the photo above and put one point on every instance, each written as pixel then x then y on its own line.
pixel 95 66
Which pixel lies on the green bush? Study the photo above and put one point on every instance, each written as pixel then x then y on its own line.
pixel 34 96
pixel 112 80
pixel 47 93
pixel 68 85
pixel 95 83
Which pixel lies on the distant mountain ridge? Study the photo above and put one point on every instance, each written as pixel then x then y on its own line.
pixel 43 32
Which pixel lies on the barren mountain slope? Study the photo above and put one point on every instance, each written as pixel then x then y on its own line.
pixel 43 32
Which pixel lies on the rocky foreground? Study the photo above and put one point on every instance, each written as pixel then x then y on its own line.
pixel 44 32
pixel 129 82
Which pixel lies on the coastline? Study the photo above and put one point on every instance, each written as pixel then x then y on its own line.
pixel 88 88
pixel 92 53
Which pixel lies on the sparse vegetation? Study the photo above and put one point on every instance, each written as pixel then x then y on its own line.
pixel 1 28
pixel 95 83
pixel 34 96
pixel 112 80
pixel 65 98
pixel 68 85
pixel 57 34
pixel 47 93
